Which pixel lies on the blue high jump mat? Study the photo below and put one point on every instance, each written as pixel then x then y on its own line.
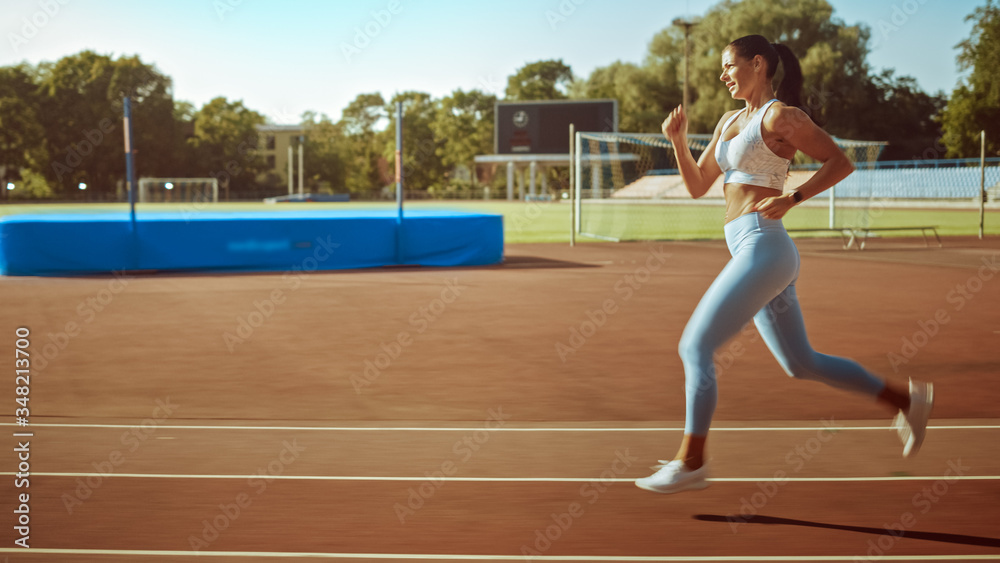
pixel 68 244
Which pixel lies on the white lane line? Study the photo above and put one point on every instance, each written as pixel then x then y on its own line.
pixel 948 478
pixel 454 557
pixel 503 428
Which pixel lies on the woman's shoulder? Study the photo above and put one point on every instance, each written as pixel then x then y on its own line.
pixel 729 114
pixel 725 118
pixel 779 107
pixel 780 114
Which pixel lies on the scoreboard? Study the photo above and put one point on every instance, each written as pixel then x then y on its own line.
pixel 542 127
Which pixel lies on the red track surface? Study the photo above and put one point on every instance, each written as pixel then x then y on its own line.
pixel 486 342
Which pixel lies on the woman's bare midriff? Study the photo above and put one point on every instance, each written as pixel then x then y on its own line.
pixel 741 198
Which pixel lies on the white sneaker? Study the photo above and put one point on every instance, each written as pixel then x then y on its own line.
pixel 674 477
pixel 912 425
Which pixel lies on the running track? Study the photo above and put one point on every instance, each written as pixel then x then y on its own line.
pixel 478 442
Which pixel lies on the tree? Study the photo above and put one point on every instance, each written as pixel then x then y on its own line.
pixel 182 152
pixel 542 80
pixel 464 125
pixel 898 111
pixel 422 166
pixel 155 129
pixel 226 140
pixel 22 137
pixel 832 54
pixel 326 151
pixel 359 124
pixel 80 125
pixel 363 114
pixel 975 102
pixel 644 93
pixel 839 90
pixel 81 112
pixel 648 92
pixel 18 82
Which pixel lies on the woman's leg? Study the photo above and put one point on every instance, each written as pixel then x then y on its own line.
pixel 781 325
pixel 758 271
pixel 764 263
pixel 783 329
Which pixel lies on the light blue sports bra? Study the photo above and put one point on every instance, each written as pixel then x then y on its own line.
pixel 746 159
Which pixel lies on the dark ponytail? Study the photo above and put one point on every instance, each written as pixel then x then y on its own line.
pixel 790 89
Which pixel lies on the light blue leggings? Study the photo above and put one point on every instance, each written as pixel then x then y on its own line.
pixel 758 283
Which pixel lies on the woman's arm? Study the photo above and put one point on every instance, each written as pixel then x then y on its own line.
pixel 698 176
pixel 798 131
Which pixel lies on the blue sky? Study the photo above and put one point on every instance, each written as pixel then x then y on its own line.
pixel 283 58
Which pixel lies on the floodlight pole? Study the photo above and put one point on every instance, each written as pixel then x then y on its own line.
pixel 302 147
pixel 129 158
pixel 291 172
pixel 687 25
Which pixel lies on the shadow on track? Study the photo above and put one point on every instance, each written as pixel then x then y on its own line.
pixel 911 534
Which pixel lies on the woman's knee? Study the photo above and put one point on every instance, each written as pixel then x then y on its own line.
pixel 799 368
pixel 699 369
pixel 693 348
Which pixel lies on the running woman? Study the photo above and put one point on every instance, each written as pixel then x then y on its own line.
pixel 753 147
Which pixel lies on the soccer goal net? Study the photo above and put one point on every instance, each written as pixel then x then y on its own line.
pixel 202 190
pixel 628 187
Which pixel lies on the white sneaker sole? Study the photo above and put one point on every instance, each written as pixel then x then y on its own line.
pixel 915 421
pixel 679 488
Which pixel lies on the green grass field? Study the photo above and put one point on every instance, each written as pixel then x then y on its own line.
pixel 550 222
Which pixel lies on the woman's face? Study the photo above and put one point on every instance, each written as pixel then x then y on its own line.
pixel 738 73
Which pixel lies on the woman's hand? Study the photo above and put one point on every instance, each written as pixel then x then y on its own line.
pixel 675 126
pixel 774 207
